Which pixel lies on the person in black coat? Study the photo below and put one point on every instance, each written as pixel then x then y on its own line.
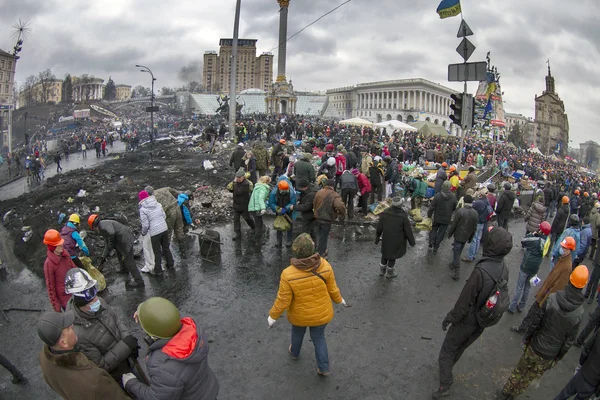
pixel 465 328
pixel 463 227
pixel 241 189
pixel 305 206
pixel 586 381
pixel 560 221
pixel 441 208
pixel 394 230
pixel 505 205
pixel 237 160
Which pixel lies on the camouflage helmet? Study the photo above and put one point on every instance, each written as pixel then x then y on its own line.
pixel 159 318
pixel 303 246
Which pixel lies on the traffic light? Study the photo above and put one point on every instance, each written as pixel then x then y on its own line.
pixel 457 107
pixel 468 116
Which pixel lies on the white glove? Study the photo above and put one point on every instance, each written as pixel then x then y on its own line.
pixel 127 377
pixel 271 321
pixel 345 304
pixel 263 212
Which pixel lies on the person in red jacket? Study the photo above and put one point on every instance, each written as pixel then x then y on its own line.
pixel 364 188
pixel 58 262
pixel 340 164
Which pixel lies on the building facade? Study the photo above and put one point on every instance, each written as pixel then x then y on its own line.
pixel 589 153
pixel 7 79
pixel 526 124
pixel 252 71
pixel 123 92
pixel 551 121
pixel 88 89
pixel 406 100
pixel 35 96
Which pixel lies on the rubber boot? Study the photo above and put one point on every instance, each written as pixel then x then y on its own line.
pixel 382 268
pixel 390 273
pixel 455 274
pixel 443 391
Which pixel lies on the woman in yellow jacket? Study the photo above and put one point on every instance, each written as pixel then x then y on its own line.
pixel 306 290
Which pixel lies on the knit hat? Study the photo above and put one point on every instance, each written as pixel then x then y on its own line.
pixel 303 246
pixel 329 147
pixel 355 171
pixel 142 195
pixel 240 172
pixel 331 182
pixel 301 183
pixel 150 190
pixel 468 199
pixel 397 201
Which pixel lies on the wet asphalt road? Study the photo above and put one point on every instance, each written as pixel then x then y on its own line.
pixel 384 347
pixel 75 161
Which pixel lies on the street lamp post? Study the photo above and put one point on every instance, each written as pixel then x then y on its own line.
pixel 146 69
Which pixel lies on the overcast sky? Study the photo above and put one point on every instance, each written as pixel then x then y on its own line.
pixel 363 41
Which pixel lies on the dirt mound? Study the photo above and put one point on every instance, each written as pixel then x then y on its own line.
pixel 111 188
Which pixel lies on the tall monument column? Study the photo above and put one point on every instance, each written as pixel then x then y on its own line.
pixel 283 19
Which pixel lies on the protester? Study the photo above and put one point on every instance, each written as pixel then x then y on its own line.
pixel 328 206
pixel 154 223
pixel 463 228
pixel 440 209
pixel 58 263
pixel 241 189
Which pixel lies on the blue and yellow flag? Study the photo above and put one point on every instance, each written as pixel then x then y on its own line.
pixel 449 8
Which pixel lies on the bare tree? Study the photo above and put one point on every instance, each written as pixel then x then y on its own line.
pixel 27 87
pixel 85 81
pixel 45 78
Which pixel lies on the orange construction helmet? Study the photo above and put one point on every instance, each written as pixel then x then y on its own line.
pixel 565 200
pixel 91 219
pixel 282 141
pixel 283 185
pixel 577 192
pixel 579 276
pixel 586 194
pixel 52 238
pixel 452 168
pixel 569 243
pixel 445 165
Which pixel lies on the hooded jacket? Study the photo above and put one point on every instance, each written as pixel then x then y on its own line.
pixel 167 198
pixel 505 203
pixel 391 173
pixel 73 239
pixel 496 243
pixel 55 269
pixel 560 220
pixel 575 233
pixel 554 326
pixel 182 200
pixel 305 206
pixel 535 216
pixel 72 376
pixel 590 360
pixel 260 194
pixel 305 296
pixel 100 337
pixel 277 199
pixel 304 169
pixel 376 173
pixel 364 185
pixel 178 368
pixel 152 217
pixel 395 230
pixel 241 194
pixel 348 182
pixel 442 205
pixel 464 224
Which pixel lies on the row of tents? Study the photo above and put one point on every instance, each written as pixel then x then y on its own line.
pixel 424 127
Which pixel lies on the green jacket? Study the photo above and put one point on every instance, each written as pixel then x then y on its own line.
pixel 304 169
pixel 262 158
pixel 259 197
pixel 420 188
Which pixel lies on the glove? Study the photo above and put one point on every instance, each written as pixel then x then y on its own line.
pixel 377 239
pixel 263 212
pixel 127 377
pixel 445 324
pixel 132 343
pixel 283 211
pixel 278 210
pixel 271 321
pixel 345 304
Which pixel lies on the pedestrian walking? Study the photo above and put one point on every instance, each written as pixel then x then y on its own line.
pixel 117 237
pixel 505 205
pixel 393 230
pixel 58 263
pixel 237 157
pixel 328 206
pixel 281 201
pixel 177 357
pixel 83 150
pixel 463 228
pixel 549 337
pixel 241 189
pixel 464 319
pixel 258 200
pixel 586 380
pixel 154 223
pixel 67 370
pixel 441 208
pixel 306 289
pixel 533 243
pixel 57 160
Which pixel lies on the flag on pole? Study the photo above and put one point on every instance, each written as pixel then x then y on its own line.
pixel 449 8
pixel 488 108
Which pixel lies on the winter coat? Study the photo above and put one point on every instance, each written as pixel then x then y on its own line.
pixel 73 239
pixel 554 326
pixel 340 164
pixel 116 236
pixel 556 280
pixel 241 194
pixel 305 296
pixel 364 186
pixel 590 360
pixel 470 181
pixel 348 182
pixel 441 207
pixel 575 233
pixel 586 207
pixel 351 160
pixel 505 203
pixel 595 222
pixel 73 377
pixel 480 206
pixel 535 216
pixel 464 224
pixel 492 200
pixel 277 155
pixel 548 196
pixel 585 241
pixel 575 204
pixel 304 169
pixel 277 199
pixel 100 337
pixel 55 269
pixel 167 198
pixel 391 173
pixel 366 164
pixel 376 174
pixel 178 368
pixel 305 206
pixel 258 200
pixel 534 253
pixel 262 158
pixel 152 217
pixel 394 229
pixel 496 245
pixel 182 200
pixel 440 178
pixel 237 158
pixel 325 169
pixel 560 220
pixel 250 167
pixel 419 188
pixel 328 205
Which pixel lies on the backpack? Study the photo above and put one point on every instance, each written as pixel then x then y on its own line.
pixel 496 304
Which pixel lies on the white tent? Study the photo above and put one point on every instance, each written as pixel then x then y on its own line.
pixel 535 150
pixel 356 121
pixel 395 124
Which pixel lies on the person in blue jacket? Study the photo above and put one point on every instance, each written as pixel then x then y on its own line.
pixel 281 199
pixel 70 233
pixel 575 232
pixel 183 201
pixel 585 241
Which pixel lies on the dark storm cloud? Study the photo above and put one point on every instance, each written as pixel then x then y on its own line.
pixel 191 72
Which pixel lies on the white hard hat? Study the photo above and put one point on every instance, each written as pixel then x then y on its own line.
pixel 331 161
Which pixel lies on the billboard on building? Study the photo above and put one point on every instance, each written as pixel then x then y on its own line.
pixel 84 113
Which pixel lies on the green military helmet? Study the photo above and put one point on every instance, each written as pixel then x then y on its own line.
pixel 159 318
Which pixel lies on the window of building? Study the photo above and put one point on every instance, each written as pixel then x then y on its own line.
pixel 10 65
pixel 8 77
pixel 1 76
pixel 5 89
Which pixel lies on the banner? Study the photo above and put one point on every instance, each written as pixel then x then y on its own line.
pixel 449 8
pixel 85 113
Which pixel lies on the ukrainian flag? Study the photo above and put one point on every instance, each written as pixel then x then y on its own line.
pixel 449 8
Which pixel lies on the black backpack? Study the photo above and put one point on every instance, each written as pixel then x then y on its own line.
pixel 489 316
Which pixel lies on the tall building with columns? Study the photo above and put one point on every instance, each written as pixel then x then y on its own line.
pixel 86 89
pixel 407 100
